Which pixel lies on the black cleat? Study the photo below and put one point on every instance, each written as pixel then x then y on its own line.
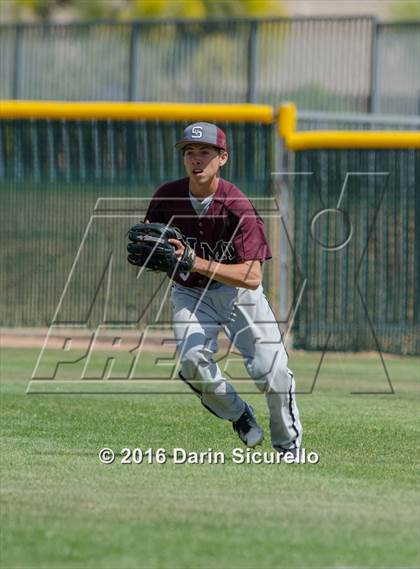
pixel 248 429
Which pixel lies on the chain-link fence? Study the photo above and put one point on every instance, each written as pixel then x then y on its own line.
pixel 52 174
pixel 356 239
pixel 359 258
pixel 334 64
pixel 352 220
pixel 397 81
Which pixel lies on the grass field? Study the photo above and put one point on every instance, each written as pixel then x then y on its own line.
pixel 359 507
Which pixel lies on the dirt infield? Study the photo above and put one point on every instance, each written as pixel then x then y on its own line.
pixel 35 338
pixel 155 341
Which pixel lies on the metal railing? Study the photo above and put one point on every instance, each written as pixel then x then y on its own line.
pixel 327 64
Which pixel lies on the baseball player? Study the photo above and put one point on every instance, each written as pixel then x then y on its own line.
pixel 226 246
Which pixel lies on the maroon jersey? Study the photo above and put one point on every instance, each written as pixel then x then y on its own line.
pixel 231 231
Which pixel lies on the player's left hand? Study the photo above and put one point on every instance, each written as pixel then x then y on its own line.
pixel 159 247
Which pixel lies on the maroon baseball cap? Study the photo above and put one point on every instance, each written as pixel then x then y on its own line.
pixel 204 133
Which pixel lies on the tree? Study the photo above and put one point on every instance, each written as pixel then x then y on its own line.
pixel 405 10
pixel 62 10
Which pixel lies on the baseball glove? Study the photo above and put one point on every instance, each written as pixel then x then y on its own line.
pixel 149 248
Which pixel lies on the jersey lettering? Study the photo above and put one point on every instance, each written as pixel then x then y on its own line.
pixel 191 242
pixel 223 250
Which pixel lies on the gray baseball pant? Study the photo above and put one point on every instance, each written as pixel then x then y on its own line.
pixel 249 322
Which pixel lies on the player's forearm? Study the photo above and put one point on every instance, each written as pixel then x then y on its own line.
pixel 245 275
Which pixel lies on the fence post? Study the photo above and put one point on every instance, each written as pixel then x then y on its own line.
pixel 373 101
pixel 133 80
pixel 252 62
pixel 17 62
pixel 283 231
pixel 416 307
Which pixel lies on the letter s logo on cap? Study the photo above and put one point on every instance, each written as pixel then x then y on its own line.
pixel 196 132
